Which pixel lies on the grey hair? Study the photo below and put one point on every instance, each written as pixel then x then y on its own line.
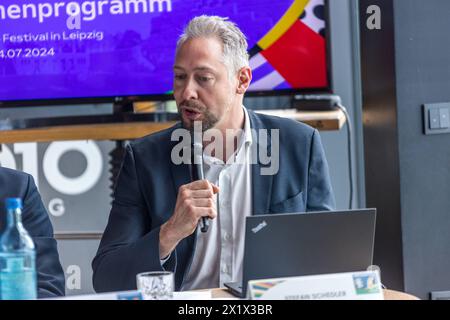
pixel 234 42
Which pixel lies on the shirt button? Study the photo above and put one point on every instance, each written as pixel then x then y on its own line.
pixel 224 268
pixel 226 236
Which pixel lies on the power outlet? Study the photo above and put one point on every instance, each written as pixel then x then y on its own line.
pixel 436 118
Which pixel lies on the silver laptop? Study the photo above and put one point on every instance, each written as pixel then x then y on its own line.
pixel 299 244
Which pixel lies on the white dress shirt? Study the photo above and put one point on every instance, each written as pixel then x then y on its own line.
pixel 219 253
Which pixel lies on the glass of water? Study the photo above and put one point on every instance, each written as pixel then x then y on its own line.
pixel 156 285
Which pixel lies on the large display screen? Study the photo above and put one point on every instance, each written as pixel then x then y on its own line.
pixel 104 49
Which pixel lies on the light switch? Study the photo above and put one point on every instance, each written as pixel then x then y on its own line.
pixel 434 119
pixel 444 118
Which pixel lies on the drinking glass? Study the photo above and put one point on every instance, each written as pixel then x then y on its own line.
pixel 156 285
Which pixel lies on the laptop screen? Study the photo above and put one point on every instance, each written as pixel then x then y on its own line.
pixel 284 245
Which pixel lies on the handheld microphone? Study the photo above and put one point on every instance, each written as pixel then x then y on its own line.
pixel 198 170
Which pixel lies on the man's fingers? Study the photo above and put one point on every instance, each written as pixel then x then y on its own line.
pixel 215 188
pixel 206 212
pixel 200 185
pixel 198 189
pixel 204 202
pixel 202 194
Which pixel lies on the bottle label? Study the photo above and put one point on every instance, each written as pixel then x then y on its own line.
pixel 17 282
pixel 18 285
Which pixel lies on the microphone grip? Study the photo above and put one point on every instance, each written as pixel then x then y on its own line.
pixel 200 176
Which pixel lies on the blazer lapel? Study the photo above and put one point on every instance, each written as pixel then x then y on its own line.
pixel 181 174
pixel 261 184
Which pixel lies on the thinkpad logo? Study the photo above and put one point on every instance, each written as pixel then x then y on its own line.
pixel 259 227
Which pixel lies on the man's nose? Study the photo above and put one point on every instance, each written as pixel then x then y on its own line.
pixel 190 90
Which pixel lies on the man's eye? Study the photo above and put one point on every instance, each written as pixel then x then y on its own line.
pixel 205 79
pixel 180 76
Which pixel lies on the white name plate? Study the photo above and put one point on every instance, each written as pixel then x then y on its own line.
pixel 364 285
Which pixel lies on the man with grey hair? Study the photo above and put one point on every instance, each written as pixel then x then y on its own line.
pixel 157 209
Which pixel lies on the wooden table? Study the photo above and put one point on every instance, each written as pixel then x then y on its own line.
pixel 122 131
pixel 121 128
pixel 397 295
pixel 321 120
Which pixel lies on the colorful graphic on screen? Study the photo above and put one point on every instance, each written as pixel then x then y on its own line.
pixel 52 49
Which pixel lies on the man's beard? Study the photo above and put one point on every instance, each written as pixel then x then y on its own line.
pixel 209 120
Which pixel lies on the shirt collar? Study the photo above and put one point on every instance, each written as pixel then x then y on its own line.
pixel 248 139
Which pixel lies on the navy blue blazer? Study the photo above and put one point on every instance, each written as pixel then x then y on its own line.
pixel 147 187
pixel 35 219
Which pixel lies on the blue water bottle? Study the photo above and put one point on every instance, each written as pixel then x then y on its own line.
pixel 17 257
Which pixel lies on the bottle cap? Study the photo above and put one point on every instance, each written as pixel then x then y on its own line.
pixel 13 203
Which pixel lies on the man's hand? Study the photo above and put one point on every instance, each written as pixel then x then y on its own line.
pixel 194 200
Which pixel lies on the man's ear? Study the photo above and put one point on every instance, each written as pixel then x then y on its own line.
pixel 244 79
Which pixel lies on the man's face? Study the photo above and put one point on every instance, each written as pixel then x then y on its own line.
pixel 202 88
